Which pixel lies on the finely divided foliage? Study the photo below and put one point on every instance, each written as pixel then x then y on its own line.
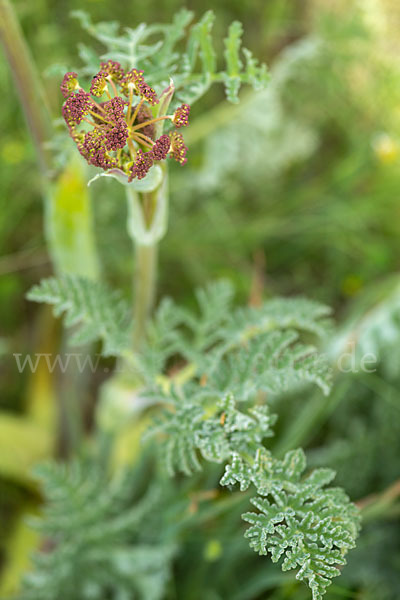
pixel 99 313
pixel 217 408
pixel 84 518
pixel 208 335
pixel 310 527
pixel 220 412
pixel 193 67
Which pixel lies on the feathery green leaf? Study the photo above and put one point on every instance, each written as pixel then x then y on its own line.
pixel 99 313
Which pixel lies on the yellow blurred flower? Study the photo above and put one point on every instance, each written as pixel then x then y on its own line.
pixel 213 550
pixel 386 148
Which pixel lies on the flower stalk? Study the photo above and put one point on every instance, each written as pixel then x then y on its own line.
pixel 145 275
pixel 147 224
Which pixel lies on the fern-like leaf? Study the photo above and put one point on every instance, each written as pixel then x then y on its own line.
pixel 299 520
pixel 213 409
pixel 272 362
pixel 233 62
pixel 99 313
pixel 195 424
pixel 94 538
pixel 154 49
pixel 220 327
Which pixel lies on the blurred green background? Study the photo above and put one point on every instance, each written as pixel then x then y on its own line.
pixel 293 191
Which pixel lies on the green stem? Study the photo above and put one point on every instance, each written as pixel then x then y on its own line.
pixel 27 80
pixel 380 505
pixel 146 223
pixel 68 220
pixel 144 289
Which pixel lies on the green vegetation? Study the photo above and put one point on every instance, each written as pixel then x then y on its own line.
pixel 194 455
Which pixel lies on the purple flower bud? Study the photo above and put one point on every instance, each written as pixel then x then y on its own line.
pixel 69 84
pixel 99 84
pixel 115 108
pixel 131 80
pixel 116 136
pixel 113 69
pixel 178 148
pixel 147 92
pixel 76 107
pixel 142 165
pixel 181 116
pixel 134 78
pixel 161 147
pixel 94 149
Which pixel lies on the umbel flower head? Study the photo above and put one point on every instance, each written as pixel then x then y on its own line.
pixel 113 125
